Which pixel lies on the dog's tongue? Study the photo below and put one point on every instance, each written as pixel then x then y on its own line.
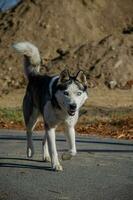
pixel 71 112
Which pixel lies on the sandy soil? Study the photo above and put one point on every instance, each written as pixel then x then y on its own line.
pixel 102 97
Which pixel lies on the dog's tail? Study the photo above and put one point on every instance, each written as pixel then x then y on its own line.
pixel 32 58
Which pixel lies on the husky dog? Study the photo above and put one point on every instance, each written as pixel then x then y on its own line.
pixel 56 98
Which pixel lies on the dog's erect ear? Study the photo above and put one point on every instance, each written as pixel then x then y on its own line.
pixel 64 76
pixel 81 77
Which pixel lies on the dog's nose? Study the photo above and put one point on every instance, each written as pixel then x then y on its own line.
pixel 73 106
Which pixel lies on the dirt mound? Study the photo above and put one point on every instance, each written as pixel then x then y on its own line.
pixel 68 25
pixel 110 61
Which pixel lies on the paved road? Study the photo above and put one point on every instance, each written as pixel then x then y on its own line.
pixel 102 170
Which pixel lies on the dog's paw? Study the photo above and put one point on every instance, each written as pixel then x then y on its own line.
pixel 66 156
pixel 73 153
pixel 30 152
pixel 46 159
pixel 57 167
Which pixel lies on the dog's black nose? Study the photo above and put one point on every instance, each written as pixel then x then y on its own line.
pixel 73 106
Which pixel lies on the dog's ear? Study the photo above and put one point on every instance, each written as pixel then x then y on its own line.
pixel 64 76
pixel 81 77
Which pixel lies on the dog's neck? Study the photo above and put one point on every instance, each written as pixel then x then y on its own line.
pixel 51 85
pixel 54 101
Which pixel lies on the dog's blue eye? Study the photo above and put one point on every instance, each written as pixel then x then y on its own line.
pixel 66 93
pixel 79 93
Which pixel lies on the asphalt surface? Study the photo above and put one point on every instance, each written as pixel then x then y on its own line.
pixel 102 170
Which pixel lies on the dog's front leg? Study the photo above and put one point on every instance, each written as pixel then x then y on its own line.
pixel 70 133
pixel 52 149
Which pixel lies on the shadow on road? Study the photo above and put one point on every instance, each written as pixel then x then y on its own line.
pixel 63 140
pixel 105 150
pixel 20 165
pixel 101 150
pixel 23 159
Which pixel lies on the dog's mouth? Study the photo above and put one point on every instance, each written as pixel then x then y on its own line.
pixel 71 112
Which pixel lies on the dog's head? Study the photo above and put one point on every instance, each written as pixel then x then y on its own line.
pixel 71 91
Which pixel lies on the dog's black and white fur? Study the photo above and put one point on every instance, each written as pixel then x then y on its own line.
pixel 56 98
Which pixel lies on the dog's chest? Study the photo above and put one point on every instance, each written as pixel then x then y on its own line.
pixel 53 116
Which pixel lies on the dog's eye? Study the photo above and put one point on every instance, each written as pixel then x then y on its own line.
pixel 79 93
pixel 66 93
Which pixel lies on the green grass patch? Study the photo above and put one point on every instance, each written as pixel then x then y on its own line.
pixel 11 114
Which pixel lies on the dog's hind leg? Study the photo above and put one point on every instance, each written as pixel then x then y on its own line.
pixel 30 126
pixel 30 116
pixel 45 151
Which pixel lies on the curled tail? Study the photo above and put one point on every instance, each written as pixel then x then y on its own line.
pixel 32 58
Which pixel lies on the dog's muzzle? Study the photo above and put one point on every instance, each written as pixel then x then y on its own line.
pixel 72 109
